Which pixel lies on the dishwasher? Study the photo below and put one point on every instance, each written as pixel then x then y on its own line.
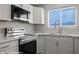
pixel 27 45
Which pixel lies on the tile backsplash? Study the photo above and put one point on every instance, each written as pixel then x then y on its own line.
pixel 28 27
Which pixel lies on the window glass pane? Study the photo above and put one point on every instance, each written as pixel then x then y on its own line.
pixel 68 16
pixel 54 17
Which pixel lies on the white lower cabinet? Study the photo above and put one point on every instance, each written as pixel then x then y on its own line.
pixel 9 47
pixel 58 45
pixel 65 45
pixel 76 45
pixel 13 50
pixel 40 45
pixel 50 45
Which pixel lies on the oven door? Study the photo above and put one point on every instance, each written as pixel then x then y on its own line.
pixel 28 48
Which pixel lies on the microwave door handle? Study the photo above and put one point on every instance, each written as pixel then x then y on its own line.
pixel 28 14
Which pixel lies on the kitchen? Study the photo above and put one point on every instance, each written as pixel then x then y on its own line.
pixel 28 29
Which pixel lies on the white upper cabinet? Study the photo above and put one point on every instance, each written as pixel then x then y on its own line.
pixel 38 15
pixel 5 12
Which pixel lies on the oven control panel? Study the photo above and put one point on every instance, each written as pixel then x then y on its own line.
pixel 14 31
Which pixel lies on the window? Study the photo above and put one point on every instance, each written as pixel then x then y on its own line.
pixel 54 16
pixel 63 17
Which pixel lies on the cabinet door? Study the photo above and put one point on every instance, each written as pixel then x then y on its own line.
pixel 13 50
pixel 76 46
pixel 9 47
pixel 65 45
pixel 5 12
pixel 50 45
pixel 40 45
pixel 38 15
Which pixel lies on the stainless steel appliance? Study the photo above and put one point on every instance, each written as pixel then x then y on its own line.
pixel 13 32
pixel 28 48
pixel 19 13
pixel 28 45
pixel 11 44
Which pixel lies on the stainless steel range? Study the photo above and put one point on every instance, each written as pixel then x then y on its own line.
pixel 27 43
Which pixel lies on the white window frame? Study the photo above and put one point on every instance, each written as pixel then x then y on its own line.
pixel 61 9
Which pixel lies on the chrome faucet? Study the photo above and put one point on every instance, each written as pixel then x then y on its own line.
pixel 59 26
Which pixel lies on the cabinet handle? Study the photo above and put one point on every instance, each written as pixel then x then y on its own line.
pixel 57 43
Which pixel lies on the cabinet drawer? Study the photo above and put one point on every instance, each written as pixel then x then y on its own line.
pixel 13 50
pixel 8 45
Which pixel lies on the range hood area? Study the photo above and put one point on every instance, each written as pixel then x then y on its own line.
pixel 19 13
